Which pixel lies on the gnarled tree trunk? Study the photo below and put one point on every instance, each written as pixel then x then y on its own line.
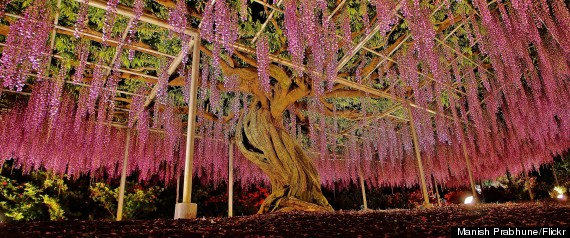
pixel 295 183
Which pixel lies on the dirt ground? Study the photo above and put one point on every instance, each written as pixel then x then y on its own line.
pixel 388 223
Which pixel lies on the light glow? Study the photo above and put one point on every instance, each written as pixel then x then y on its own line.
pixel 468 200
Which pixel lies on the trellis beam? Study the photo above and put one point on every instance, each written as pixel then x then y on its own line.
pixel 119 70
pixel 265 23
pixel 368 120
pixel 361 44
pixel 171 69
pixel 128 12
pixel 336 9
pixel 74 83
pixel 122 10
pixel 90 36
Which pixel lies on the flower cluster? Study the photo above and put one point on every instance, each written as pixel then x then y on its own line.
pixel 109 19
pixel 262 53
pixel 82 55
pixel 177 18
pixel 82 19
pixel 138 10
pixel 27 49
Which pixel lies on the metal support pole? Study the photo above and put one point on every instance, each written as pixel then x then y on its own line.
pixel 437 193
pixel 362 187
pixel 527 179
pixel 555 177
pixel 231 181
pixel 177 188
pixel 123 178
pixel 186 209
pixel 419 158
pixel 471 181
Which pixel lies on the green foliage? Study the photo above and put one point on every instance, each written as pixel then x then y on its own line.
pixel 32 200
pixel 138 202
pixel 558 190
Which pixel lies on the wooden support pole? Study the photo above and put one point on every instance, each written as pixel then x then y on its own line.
pixel 362 187
pixel 123 178
pixel 231 181
pixel 419 158
pixel 186 209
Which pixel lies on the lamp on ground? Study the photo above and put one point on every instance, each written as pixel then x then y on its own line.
pixel 469 200
pixel 559 192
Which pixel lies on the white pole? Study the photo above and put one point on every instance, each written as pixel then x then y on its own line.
pixel 186 209
pixel 231 181
pixel 437 192
pixel 177 189
pixel 471 181
pixel 362 188
pixel 123 178
pixel 419 158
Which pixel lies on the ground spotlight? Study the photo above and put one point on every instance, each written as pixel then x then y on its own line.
pixel 468 200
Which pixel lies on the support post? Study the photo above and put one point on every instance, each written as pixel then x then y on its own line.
pixel 186 209
pixel 177 188
pixel 527 179
pixel 555 177
pixel 471 181
pixel 419 158
pixel 231 181
pixel 123 178
pixel 362 187
pixel 437 193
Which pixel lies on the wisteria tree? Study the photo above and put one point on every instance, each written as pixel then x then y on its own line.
pixel 261 134
pixel 312 92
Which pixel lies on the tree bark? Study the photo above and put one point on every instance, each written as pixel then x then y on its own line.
pixel 295 183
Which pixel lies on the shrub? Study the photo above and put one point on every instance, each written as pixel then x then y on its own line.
pixel 138 202
pixel 28 201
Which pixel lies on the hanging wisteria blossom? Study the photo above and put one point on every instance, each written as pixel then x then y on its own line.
pixel 470 79
pixel 26 49
pixel 82 19
pixel 110 16
pixel 263 64
pixel 133 27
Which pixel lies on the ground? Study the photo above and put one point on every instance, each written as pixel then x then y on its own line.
pixel 400 223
